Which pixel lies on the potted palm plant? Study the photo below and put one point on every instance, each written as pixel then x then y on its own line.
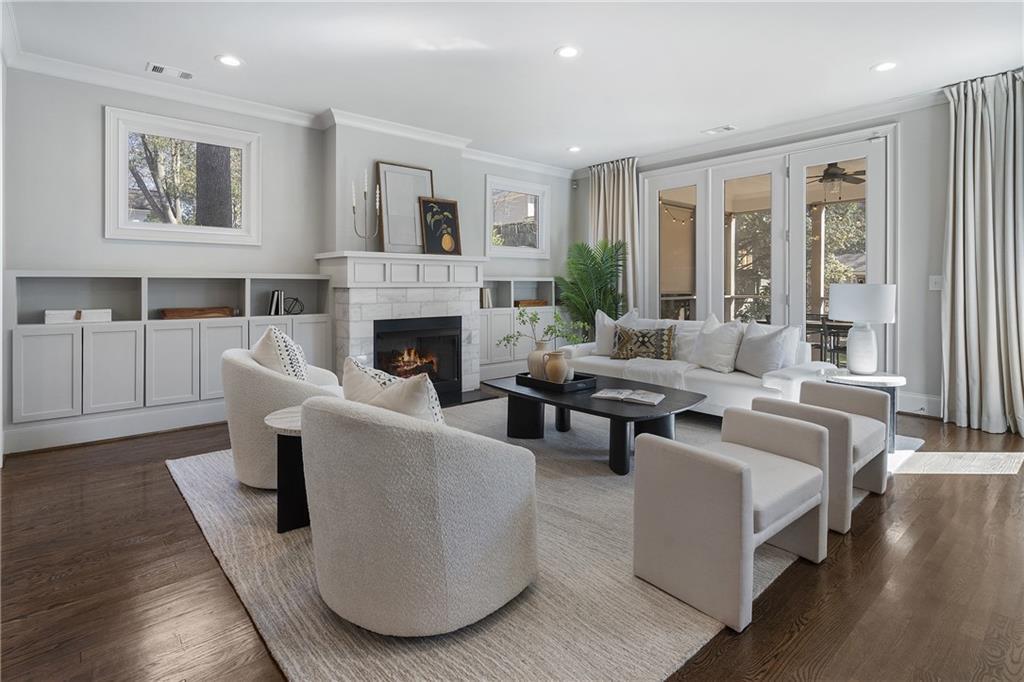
pixel 593 274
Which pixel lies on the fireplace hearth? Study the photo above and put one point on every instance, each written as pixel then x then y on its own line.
pixel 422 345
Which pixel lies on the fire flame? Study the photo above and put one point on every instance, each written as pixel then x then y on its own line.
pixel 410 362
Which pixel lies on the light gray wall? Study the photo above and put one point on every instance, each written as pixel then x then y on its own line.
pixel 54 202
pixel 920 233
pixel 356 150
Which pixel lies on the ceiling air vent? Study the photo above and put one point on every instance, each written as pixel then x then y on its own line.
pixel 168 71
pixel 728 128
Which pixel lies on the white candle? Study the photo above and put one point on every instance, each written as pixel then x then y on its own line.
pixel 378 199
pixel 366 182
pixel 353 195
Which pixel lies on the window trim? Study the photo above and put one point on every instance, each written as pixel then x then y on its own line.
pixel 119 122
pixel 542 192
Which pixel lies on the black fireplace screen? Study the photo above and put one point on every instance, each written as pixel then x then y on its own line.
pixel 423 345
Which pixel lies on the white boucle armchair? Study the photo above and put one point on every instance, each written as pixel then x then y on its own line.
pixel 699 513
pixel 857 420
pixel 251 392
pixel 418 528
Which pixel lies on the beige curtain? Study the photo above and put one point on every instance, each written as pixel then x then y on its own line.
pixel 983 300
pixel 613 216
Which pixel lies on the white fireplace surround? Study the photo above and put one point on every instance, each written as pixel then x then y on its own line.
pixel 370 286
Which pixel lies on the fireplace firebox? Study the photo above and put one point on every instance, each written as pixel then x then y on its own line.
pixel 422 345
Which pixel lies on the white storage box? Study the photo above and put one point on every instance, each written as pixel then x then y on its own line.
pixel 65 316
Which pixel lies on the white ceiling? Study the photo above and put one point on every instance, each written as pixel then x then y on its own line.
pixel 651 76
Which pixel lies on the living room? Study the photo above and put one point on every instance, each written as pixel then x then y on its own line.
pixel 454 340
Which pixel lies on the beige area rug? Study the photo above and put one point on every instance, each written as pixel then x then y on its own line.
pixel 586 618
pixel 984 463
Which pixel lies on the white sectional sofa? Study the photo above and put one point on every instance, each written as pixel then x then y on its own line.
pixel 730 389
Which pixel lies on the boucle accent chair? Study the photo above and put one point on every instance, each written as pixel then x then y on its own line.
pixel 699 513
pixel 857 420
pixel 251 392
pixel 418 528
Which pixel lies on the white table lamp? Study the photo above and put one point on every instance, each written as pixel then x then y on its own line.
pixel 862 304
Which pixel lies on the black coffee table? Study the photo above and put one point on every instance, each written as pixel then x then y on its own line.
pixel 526 413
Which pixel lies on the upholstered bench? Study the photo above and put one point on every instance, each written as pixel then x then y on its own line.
pixel 699 513
pixel 857 420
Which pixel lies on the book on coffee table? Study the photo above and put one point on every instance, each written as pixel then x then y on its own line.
pixel 626 395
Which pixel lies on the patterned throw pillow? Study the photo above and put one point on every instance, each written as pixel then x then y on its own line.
pixel 276 351
pixel 414 396
pixel 643 343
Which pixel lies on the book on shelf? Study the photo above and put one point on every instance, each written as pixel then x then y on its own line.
pixel 626 395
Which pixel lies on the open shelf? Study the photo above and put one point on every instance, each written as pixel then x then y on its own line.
pixel 194 292
pixel 311 292
pixel 35 295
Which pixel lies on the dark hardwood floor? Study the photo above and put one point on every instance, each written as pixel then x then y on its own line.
pixel 105 575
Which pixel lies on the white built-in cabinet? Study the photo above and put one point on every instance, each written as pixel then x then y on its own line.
pixel 499 320
pixel 46 372
pixel 113 366
pixel 138 360
pixel 215 337
pixel 172 362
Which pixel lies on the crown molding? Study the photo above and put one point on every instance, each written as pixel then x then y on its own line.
pixel 512 162
pixel 379 125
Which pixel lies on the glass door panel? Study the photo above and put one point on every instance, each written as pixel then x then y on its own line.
pixel 677 253
pixel 747 247
pixel 839 193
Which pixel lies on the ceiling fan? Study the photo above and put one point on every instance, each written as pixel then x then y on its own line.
pixel 834 173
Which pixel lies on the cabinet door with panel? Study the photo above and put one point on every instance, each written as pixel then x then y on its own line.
pixel 112 366
pixel 259 325
pixel 46 372
pixel 501 325
pixel 313 334
pixel 486 342
pixel 215 337
pixel 172 362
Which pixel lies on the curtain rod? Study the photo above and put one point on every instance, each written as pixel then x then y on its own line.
pixel 978 78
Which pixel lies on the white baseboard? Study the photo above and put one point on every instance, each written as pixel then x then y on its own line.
pixel 58 432
pixel 918 403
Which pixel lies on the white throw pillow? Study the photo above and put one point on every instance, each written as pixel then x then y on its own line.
pixel 790 344
pixel 276 351
pixel 716 345
pixel 762 350
pixel 414 396
pixel 686 336
pixel 604 330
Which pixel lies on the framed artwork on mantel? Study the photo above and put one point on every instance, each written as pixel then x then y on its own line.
pixel 400 220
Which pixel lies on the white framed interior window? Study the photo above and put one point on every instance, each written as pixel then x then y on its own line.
pixel 173 180
pixel 517 219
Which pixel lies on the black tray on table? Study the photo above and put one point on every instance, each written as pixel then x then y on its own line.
pixel 580 382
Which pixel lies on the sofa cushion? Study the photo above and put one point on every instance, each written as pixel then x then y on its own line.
pixel 735 389
pixel 642 343
pixel 604 330
pixel 670 373
pixel 717 344
pixel 763 350
pixel 778 484
pixel 276 351
pixel 868 436
pixel 601 365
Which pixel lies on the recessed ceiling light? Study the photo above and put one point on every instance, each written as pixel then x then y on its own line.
pixel 884 66
pixel 228 60
pixel 573 149
pixel 568 51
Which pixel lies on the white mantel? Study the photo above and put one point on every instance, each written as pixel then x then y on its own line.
pixel 373 269
pixel 369 286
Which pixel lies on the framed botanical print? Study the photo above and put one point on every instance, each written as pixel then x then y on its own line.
pixel 440 219
pixel 399 215
pixel 517 219
pixel 173 180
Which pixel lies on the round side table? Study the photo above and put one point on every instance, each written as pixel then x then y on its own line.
pixel 880 381
pixel 292 506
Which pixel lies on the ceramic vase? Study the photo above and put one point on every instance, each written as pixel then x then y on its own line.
pixel 535 360
pixel 555 366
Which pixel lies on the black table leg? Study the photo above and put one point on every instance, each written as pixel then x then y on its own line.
pixel 662 426
pixel 292 506
pixel 563 419
pixel 525 418
pixel 620 446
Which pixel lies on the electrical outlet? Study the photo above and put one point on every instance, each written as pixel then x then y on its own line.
pixel 935 282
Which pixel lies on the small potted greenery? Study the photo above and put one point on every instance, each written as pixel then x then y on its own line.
pixel 529 320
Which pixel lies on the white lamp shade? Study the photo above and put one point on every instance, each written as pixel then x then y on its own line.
pixel 874 303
